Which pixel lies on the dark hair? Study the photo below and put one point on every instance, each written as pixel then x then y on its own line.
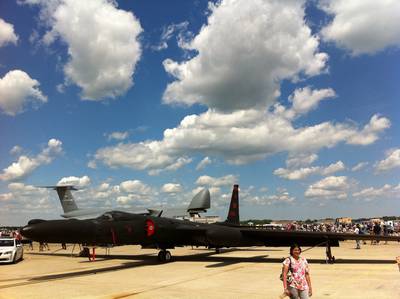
pixel 293 247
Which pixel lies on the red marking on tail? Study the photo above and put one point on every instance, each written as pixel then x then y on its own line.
pixel 233 214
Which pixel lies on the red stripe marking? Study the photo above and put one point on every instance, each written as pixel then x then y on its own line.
pixel 114 237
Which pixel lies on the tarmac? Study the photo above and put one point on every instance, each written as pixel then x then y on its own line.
pixel 132 272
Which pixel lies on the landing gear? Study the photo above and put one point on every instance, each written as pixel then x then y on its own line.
pixel 217 250
pixel 329 257
pixel 85 252
pixel 164 256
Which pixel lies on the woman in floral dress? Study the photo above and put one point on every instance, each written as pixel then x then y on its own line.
pixel 296 267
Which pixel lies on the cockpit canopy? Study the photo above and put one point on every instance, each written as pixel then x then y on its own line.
pixel 116 216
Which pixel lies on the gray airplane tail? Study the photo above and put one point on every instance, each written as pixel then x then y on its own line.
pixel 66 199
pixel 233 214
pixel 200 202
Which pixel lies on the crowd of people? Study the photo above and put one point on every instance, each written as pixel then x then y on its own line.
pixel 11 234
pixel 368 228
pixel 376 228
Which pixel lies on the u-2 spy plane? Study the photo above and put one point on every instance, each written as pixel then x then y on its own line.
pixel 122 228
pixel 200 203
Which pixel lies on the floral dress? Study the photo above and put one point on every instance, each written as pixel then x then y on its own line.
pixel 298 268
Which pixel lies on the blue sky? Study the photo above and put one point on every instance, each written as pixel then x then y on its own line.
pixel 143 103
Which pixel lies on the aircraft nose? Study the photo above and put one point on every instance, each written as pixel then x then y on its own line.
pixel 59 231
pixel 27 231
pixel 36 229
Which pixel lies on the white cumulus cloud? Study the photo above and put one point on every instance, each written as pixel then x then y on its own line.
pixel 103 44
pixel 171 188
pixel 149 155
pixel 369 133
pixel 203 163
pixel 118 135
pixel 26 165
pixel 332 168
pixel 391 161
pixel 304 100
pixel 6 196
pixel 7 34
pixel 78 182
pixel 17 89
pixel 271 42
pixel 16 150
pixel 363 26
pixel 332 187
pixel 227 180
pixel 302 173
pixel 27 199
pixel 281 196
pixel 238 137
pixel 300 159
pixel 386 191
pixel 135 186
pixel 237 77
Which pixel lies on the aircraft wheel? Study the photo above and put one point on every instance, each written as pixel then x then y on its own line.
pixel 85 252
pixel 168 256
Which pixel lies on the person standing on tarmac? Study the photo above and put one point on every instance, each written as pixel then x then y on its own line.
pixel 299 286
pixel 357 231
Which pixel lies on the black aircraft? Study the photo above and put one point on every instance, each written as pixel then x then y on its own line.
pixel 122 228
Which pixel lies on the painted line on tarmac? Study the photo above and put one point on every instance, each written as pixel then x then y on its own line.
pixel 67 275
pixel 124 295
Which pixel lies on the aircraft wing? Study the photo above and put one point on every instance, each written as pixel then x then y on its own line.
pixel 282 238
pixel 191 229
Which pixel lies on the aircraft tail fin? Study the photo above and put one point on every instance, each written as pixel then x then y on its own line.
pixel 200 202
pixel 66 199
pixel 233 214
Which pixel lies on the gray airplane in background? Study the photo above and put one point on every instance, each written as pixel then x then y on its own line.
pixel 200 203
